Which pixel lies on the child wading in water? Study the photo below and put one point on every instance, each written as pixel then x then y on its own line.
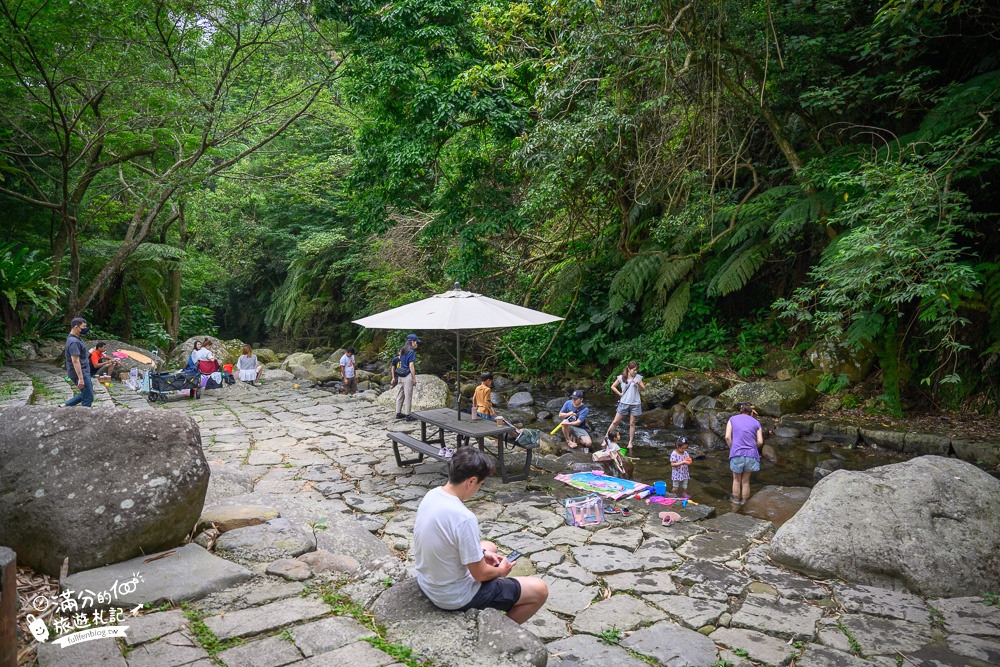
pixel 679 462
pixel 630 401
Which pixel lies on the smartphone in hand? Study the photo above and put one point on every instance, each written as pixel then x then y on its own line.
pixel 513 556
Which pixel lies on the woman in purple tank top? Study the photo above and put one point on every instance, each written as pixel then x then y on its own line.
pixel 745 437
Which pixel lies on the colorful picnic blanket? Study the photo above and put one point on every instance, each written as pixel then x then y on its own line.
pixel 605 485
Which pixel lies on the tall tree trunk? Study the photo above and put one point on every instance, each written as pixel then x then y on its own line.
pixel 174 284
pixel 73 307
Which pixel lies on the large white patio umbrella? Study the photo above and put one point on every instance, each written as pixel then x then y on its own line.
pixel 455 310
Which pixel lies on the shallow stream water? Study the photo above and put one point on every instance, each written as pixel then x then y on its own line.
pixel 711 479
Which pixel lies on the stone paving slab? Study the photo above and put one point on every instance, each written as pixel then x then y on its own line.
pixel 675 534
pixel 788 584
pixel 689 612
pixel 190 573
pixel 673 645
pixel 758 646
pixel 816 655
pixel 704 572
pixel 969 616
pixel 877 636
pixel 882 602
pixel 779 617
pixel 358 654
pixel 96 653
pixel 641 582
pixel 526 543
pixel 278 538
pixel 178 648
pixel 547 626
pixel 570 535
pixel 975 647
pixel 273 616
pixel 738 524
pixel 601 559
pixel 568 597
pixel 268 652
pixel 148 627
pixel 716 547
pixel 533 517
pixel 587 651
pixel 573 572
pixel 620 611
pixel 328 634
pixel 626 538
pixel 368 503
pixel 656 554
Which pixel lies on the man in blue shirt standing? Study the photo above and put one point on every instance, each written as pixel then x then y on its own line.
pixel 405 375
pixel 78 364
pixel 574 420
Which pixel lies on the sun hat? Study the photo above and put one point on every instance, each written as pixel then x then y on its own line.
pixel 670 518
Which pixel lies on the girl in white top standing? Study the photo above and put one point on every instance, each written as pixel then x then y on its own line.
pixel 630 401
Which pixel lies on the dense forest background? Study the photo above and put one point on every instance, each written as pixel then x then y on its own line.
pixel 690 184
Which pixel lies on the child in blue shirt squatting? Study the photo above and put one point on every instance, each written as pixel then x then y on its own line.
pixel 574 421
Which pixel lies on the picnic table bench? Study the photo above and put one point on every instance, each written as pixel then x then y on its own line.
pixel 445 421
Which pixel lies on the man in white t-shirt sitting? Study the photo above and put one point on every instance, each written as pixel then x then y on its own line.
pixel 455 569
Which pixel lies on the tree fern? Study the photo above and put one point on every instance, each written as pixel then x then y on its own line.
pixel 739 269
pixel 673 313
pixel 795 216
pixel 631 281
pixel 754 217
pixel 671 273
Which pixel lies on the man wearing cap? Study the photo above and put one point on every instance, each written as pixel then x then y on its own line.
pixel 574 425
pixel 78 365
pixel 405 374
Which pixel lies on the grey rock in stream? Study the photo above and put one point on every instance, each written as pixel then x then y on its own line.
pixel 771 398
pixel 930 525
pixel 97 487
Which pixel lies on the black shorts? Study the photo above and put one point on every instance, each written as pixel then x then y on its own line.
pixel 501 593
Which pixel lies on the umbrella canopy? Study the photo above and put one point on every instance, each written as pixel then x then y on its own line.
pixel 455 310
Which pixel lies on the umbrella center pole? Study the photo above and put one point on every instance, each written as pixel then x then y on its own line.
pixel 458 375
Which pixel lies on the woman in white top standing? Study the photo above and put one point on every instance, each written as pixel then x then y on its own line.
pixel 630 401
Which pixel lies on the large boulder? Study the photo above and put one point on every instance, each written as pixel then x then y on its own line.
pixel 669 388
pixel 930 525
pixel 455 639
pixel 226 352
pixel 324 372
pixel 266 355
pixel 840 359
pixel 431 392
pixel 97 486
pixel 303 359
pixel 770 398
pixel 127 363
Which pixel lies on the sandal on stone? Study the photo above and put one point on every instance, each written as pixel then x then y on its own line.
pixel 613 510
pixel 626 511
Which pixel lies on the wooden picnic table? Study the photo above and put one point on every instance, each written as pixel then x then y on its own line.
pixel 445 421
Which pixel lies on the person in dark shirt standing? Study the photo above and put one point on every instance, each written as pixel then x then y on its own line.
pixel 405 375
pixel 78 364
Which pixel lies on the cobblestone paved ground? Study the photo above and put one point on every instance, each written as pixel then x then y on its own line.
pixel 628 592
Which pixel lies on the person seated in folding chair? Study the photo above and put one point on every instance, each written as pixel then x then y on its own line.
pixel 208 366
